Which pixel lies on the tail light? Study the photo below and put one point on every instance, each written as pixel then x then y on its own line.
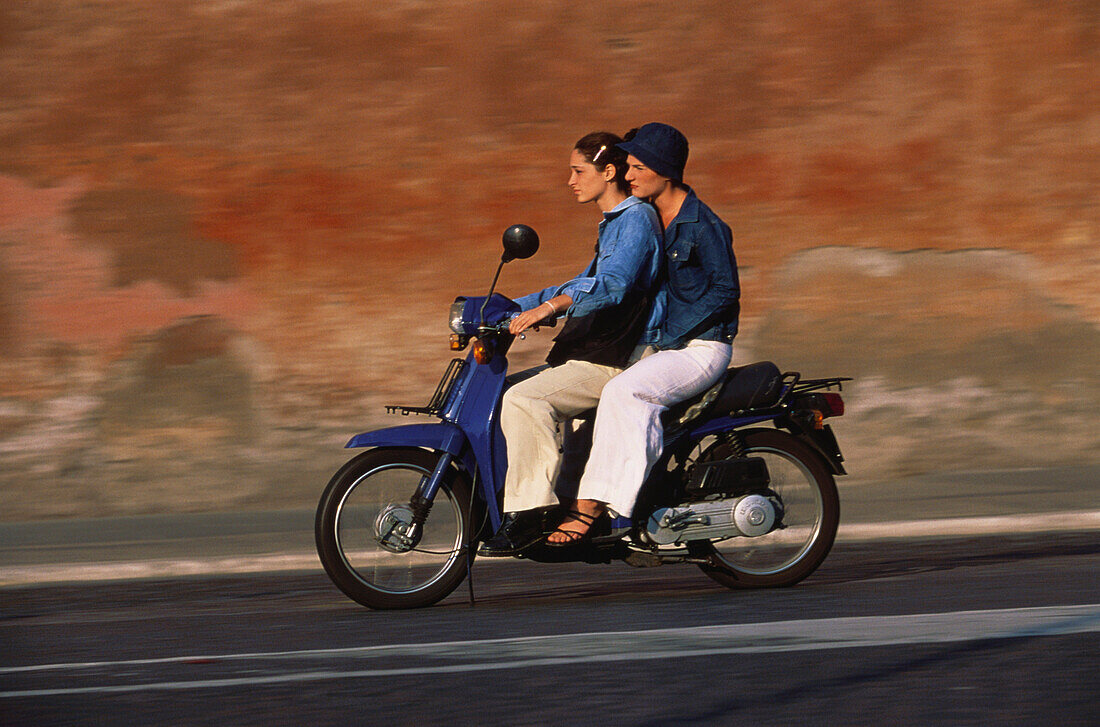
pixel 834 405
pixel 819 407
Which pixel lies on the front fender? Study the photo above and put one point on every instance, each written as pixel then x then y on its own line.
pixel 441 436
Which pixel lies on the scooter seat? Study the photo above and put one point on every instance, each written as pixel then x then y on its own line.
pixel 753 386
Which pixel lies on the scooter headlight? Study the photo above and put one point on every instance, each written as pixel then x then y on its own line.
pixel 457 309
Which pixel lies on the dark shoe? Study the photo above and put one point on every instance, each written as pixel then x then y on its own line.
pixel 518 531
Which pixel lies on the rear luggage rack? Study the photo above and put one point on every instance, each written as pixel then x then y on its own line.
pixel 439 398
pixel 802 386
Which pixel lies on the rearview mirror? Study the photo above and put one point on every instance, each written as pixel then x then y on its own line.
pixel 520 241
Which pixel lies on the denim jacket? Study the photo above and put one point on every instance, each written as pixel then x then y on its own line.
pixel 628 257
pixel 703 293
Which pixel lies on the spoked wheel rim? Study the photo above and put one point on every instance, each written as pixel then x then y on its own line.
pixel 801 481
pixel 388 487
pixel 802 520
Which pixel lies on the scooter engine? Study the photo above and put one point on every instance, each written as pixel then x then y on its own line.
pixel 750 515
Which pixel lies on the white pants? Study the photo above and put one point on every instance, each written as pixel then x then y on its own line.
pixel 628 435
pixel 544 454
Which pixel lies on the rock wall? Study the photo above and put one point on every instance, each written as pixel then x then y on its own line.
pixel 229 231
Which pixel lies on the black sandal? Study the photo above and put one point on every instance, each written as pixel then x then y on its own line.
pixel 574 538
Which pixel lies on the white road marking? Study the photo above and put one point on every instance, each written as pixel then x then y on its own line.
pixel 560 649
pixel 155 568
pixel 1047 522
pixel 848 533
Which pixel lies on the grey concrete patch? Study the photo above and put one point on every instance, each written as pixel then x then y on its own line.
pixel 150 234
pixel 960 359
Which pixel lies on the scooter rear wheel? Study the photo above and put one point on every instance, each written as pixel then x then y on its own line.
pixel 363 502
pixel 784 556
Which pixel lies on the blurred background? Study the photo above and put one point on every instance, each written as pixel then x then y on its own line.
pixel 230 231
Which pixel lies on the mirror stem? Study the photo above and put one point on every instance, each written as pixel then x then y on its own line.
pixel 493 285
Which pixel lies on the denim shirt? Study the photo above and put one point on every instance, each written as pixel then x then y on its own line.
pixel 703 293
pixel 628 257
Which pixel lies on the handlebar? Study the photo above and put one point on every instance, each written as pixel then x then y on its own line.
pixel 502 326
pixel 499 327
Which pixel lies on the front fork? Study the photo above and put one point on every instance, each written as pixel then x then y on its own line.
pixel 404 533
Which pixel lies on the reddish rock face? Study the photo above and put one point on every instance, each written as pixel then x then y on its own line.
pixel 281 200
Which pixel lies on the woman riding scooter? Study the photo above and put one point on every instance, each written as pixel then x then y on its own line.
pixel 612 313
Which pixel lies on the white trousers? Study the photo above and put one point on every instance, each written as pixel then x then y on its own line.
pixel 628 434
pixel 544 453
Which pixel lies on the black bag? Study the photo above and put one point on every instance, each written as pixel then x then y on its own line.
pixel 606 337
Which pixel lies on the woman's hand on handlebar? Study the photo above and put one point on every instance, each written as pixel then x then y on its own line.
pixel 532 318
pixel 529 318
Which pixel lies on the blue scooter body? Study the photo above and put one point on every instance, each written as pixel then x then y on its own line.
pixel 469 429
pixel 469 411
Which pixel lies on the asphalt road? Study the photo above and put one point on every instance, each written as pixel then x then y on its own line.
pixel 988 630
pixel 962 598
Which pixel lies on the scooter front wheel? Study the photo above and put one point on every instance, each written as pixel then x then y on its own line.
pixel 362 508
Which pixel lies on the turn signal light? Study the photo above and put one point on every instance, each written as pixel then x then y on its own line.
pixel 458 341
pixel 482 353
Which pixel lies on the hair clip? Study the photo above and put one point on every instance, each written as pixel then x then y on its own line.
pixel 596 156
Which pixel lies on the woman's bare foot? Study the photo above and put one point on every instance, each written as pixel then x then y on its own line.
pixel 577 522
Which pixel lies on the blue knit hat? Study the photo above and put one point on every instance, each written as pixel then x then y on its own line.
pixel 661 148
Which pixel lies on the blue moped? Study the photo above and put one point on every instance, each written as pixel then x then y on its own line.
pixel 752 506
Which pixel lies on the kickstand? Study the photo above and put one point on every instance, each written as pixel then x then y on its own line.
pixel 470 545
pixel 470 574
